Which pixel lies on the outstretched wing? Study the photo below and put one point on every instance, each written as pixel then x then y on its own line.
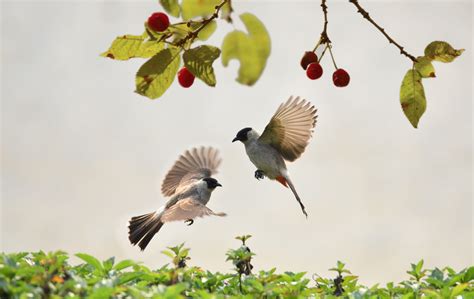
pixel 196 163
pixel 290 128
pixel 187 209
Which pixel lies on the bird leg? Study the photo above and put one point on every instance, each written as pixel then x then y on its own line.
pixel 189 222
pixel 259 174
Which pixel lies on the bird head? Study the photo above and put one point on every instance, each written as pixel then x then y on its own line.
pixel 242 135
pixel 212 183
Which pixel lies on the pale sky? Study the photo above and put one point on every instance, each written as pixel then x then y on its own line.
pixel 82 153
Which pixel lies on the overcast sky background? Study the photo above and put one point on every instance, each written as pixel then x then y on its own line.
pixel 82 153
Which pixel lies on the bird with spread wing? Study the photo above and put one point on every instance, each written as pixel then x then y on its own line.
pixel 189 185
pixel 284 138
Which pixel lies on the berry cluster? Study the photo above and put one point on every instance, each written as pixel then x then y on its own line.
pixel 159 22
pixel 314 70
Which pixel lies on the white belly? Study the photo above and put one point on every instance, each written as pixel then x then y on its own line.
pixel 266 159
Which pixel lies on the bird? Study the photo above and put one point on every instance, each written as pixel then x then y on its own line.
pixel 189 185
pixel 284 139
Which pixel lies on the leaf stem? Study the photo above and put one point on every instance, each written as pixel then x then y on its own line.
pixel 366 16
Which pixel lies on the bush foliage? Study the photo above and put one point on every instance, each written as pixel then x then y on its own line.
pixel 49 275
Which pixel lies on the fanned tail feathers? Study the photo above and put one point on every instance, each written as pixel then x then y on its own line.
pixel 141 229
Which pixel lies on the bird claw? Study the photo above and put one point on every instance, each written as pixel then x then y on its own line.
pixel 259 175
pixel 189 222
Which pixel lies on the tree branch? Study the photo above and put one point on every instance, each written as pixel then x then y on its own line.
pixel 366 15
pixel 193 34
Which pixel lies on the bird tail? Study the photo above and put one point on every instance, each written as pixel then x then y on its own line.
pixel 141 229
pixel 285 180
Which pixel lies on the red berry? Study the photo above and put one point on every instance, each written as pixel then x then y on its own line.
pixel 158 21
pixel 314 71
pixel 185 77
pixel 308 57
pixel 340 78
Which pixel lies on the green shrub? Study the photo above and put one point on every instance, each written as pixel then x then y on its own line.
pixel 49 275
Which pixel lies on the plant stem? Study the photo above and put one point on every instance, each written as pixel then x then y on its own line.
pixel 322 54
pixel 204 22
pixel 366 15
pixel 324 36
pixel 332 57
pixel 240 283
pixel 323 39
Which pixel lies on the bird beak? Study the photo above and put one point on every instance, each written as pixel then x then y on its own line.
pixel 235 139
pixel 219 185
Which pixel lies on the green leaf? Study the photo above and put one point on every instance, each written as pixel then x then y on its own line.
pixel 90 260
pixel 108 264
pixel 419 266
pixel 412 97
pixel 168 253
pixel 431 293
pixel 469 275
pixel 156 75
pixel 202 8
pixel 199 62
pixel 207 31
pixel 124 264
pixel 132 46
pixel 129 276
pixel 458 289
pixel 425 67
pixel 442 51
pixel 252 50
pixel 171 7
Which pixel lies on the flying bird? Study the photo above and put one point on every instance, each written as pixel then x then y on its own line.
pixel 285 138
pixel 189 185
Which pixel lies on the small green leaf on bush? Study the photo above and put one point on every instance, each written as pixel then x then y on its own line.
pixel 131 46
pixel 90 260
pixel 199 62
pixel 171 7
pixel 156 75
pixel 425 67
pixel 201 8
pixel 207 31
pixel 442 51
pixel 124 264
pixel 469 275
pixel 458 289
pixel 251 50
pixel 412 97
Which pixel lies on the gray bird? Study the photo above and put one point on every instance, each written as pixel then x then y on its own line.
pixel 284 138
pixel 189 183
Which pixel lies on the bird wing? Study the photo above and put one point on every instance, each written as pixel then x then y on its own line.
pixel 194 164
pixel 290 128
pixel 187 209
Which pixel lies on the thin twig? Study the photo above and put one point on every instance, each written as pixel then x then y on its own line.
pixel 332 57
pixel 193 34
pixel 324 36
pixel 322 54
pixel 366 15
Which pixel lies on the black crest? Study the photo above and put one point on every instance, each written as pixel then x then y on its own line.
pixel 242 134
pixel 211 183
